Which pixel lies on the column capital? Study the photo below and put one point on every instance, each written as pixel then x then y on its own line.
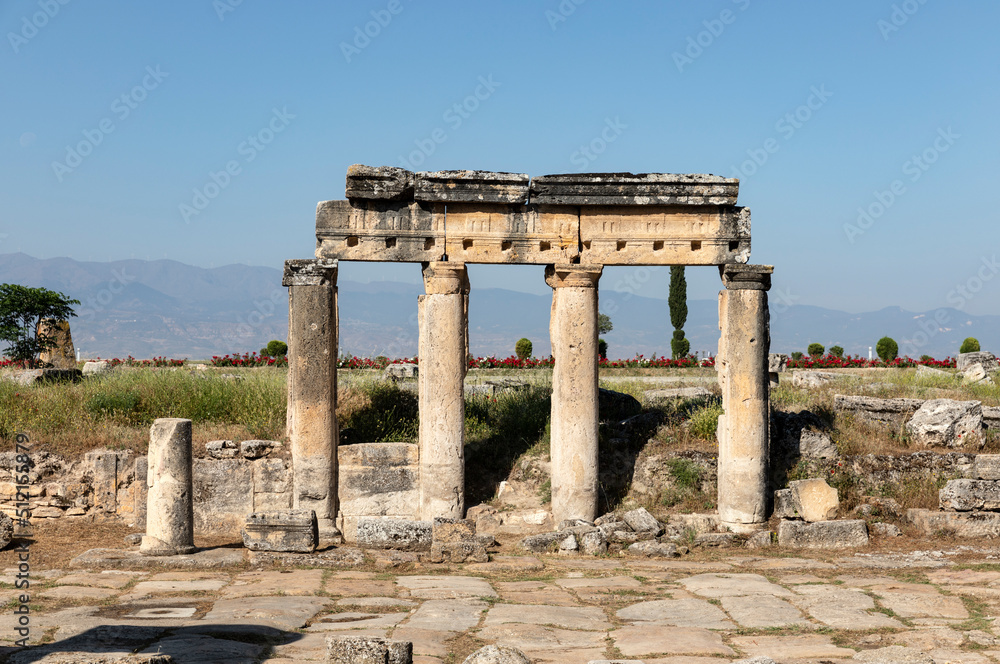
pixel 746 277
pixel 573 275
pixel 310 272
pixel 445 278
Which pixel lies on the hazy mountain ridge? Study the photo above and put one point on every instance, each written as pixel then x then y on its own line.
pixel 163 307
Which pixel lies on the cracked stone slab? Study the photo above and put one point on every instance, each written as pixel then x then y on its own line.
pixel 763 611
pixel 679 613
pixel 782 648
pixel 269 582
pixel 446 587
pixel 638 640
pixel 106 559
pixel 732 585
pixel 349 620
pixel 455 615
pixel 569 617
pixel 919 603
pixel 842 608
pixel 282 612
pixel 536 638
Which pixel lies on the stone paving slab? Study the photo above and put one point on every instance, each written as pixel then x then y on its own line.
pixel 842 608
pixel 287 582
pixel 728 585
pixel 810 646
pixel 445 587
pixel 679 613
pixel 76 593
pixel 655 639
pixel 763 611
pixel 535 592
pixel 104 559
pixel 109 579
pixel 350 620
pixel 454 615
pixel 282 612
pixel 582 617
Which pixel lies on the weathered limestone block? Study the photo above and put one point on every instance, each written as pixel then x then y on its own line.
pixel 380 230
pixel 986 467
pixel 947 423
pixel 465 551
pixel 593 543
pixel 379 183
pixel 401 371
pixel 574 419
pixel 497 655
pixel 33 376
pixel 823 534
pixel 381 533
pixel 538 234
pixel 543 542
pixel 965 495
pixel 98 368
pixel 256 449
pixel 169 515
pixel 956 524
pixel 470 187
pixel 108 469
pixel 894 655
pixel 312 388
pixel 776 362
pixel 6 530
pixel 442 314
pixel 813 378
pixel 641 521
pixel 743 430
pixel 643 189
pixel 367 650
pixel 293 531
pixel 991 417
pixel 882 410
pixel 222 449
pixel 652 549
pixel 223 490
pixel 965 361
pixel 453 530
pixel 378 479
pixel 814 499
pixel 677 393
pixel 785 506
pixel 62 355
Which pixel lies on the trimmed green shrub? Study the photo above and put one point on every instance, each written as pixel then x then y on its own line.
pixel 523 348
pixel 274 349
pixel 816 350
pixel 677 300
pixel 887 349
pixel 926 358
pixel 836 351
pixel 797 355
pixel 970 345
pixel 679 346
pixel 602 349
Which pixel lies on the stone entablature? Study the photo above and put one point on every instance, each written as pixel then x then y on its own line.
pixel 483 217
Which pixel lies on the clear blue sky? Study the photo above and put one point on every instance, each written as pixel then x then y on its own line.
pixel 162 95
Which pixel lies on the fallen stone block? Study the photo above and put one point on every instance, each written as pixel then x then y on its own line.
pixel 814 499
pixel 292 531
pixel 401 534
pixel 947 423
pixel 367 650
pixel 222 449
pixel 931 372
pixel 991 417
pixel 677 393
pixel 989 361
pixel 593 543
pixel 965 495
pixel 466 551
pixel 813 378
pixel 986 467
pixel 400 371
pixel 453 530
pixel 882 410
pixel 715 539
pixel 98 368
pixel 641 521
pixel 823 534
pixel 32 376
pixel 881 529
pixel 977 373
pixel 955 524
pixel 256 449
pixel 543 542
pixel 497 655
pixel 761 539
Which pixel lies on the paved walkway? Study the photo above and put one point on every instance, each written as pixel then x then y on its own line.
pixel 556 609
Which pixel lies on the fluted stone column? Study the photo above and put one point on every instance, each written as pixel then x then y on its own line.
pixel 573 329
pixel 169 501
pixel 742 365
pixel 312 389
pixel 442 315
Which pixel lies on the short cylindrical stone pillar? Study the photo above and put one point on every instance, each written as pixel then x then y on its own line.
pixel 573 329
pixel 742 365
pixel 169 502
pixel 312 389
pixel 442 315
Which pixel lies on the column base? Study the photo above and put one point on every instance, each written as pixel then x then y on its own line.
pixel 744 528
pixel 153 546
pixel 329 534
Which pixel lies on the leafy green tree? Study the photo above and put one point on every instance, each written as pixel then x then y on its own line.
pixel 679 346
pixel 970 345
pixel 275 349
pixel 523 348
pixel 816 350
pixel 836 351
pixel 602 349
pixel 604 324
pixel 887 349
pixel 21 311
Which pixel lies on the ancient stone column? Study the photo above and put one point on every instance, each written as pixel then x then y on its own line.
pixel 573 329
pixel 169 503
pixel 742 365
pixel 312 389
pixel 443 341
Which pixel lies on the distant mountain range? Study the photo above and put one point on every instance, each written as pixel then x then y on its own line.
pixel 162 307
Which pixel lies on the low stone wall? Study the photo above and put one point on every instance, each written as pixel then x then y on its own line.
pixel 377 479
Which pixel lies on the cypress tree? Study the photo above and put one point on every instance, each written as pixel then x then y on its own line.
pixel 679 346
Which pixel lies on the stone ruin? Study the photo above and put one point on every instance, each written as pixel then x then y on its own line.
pixel 574 225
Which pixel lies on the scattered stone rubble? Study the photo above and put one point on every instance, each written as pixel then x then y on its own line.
pixel 969 507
